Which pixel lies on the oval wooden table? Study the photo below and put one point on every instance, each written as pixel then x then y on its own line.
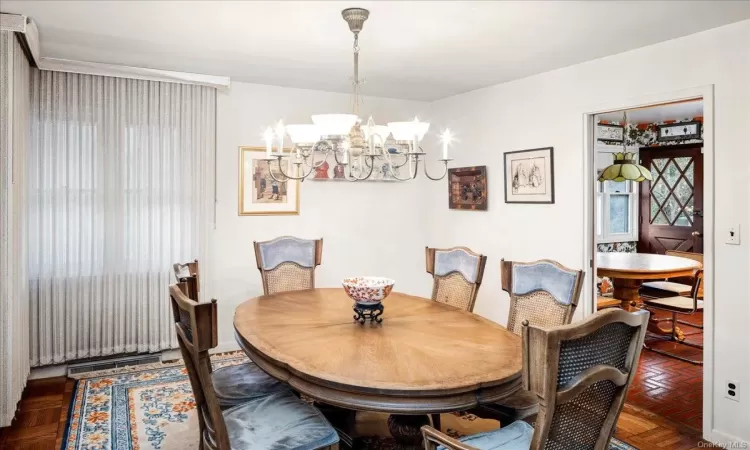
pixel 628 271
pixel 424 358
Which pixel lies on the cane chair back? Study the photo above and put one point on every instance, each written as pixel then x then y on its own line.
pixel 288 263
pixel 188 273
pixel 196 328
pixel 581 374
pixel 457 274
pixel 543 292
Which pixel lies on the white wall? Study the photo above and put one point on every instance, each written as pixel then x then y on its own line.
pixel 368 228
pixel 546 110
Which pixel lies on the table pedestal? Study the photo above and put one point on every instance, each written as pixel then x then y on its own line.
pixel 627 291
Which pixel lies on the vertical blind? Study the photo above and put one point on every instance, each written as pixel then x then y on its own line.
pixel 120 187
pixel 14 309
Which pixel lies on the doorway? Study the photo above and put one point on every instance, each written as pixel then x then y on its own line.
pixel 684 208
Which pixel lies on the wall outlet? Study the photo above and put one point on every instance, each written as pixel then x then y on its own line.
pixel 732 391
pixel 733 235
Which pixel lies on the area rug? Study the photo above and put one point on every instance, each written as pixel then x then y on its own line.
pixel 152 407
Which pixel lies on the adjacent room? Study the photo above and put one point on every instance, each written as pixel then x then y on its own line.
pixel 270 225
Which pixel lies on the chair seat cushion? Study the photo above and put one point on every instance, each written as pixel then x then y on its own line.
pixel 516 436
pixel 242 382
pixel 681 304
pixel 669 286
pixel 279 421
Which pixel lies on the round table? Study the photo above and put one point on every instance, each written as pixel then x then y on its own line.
pixel 629 270
pixel 424 358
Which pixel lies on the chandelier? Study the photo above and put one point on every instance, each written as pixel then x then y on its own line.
pixel 358 150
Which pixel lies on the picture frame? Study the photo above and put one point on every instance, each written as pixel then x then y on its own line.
pixel 259 194
pixel 467 188
pixel 610 134
pixel 530 176
pixel 680 131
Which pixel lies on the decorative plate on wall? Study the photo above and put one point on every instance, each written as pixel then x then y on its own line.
pixel 467 188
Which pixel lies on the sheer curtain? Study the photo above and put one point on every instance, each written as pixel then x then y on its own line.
pixel 14 310
pixel 120 187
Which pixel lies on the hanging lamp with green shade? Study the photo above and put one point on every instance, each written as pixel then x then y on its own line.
pixel 625 167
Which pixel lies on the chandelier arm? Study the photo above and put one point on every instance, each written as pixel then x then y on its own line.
pixel 278 161
pixel 445 171
pixel 413 175
pixel 356 178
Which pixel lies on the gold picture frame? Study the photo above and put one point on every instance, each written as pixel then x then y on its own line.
pixel 259 194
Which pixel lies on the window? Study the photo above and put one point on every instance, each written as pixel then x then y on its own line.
pixel 616 211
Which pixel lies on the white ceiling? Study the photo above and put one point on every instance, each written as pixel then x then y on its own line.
pixel 423 50
pixel 661 113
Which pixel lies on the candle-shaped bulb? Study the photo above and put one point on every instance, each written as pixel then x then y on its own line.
pixel 446 138
pixel 268 137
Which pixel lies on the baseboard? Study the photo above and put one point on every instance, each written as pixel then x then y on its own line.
pixel 726 440
pixel 38 373
pixel 224 347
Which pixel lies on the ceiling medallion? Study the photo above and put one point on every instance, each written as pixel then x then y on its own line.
pixel 358 148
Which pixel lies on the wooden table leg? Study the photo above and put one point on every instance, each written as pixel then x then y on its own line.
pixel 627 291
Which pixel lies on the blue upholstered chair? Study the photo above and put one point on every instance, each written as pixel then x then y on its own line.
pixel 288 263
pixel 272 421
pixel 457 274
pixel 545 294
pixel 580 373
pixel 233 384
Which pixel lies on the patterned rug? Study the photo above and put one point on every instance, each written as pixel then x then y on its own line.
pixel 152 407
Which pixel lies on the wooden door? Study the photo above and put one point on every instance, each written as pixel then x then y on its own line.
pixel 671 205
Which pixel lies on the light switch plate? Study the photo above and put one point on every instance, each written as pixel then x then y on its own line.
pixel 733 235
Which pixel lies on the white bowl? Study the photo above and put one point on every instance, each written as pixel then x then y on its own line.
pixel 367 290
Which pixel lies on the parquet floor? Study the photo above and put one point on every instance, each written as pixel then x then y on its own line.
pixel 40 423
pixel 669 387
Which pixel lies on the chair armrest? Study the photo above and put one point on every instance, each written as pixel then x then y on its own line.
pixel 433 438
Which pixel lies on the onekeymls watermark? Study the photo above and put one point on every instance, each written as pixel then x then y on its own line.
pixel 727 445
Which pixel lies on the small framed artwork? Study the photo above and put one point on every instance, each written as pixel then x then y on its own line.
pixel 679 131
pixel 610 134
pixel 467 188
pixel 530 176
pixel 263 190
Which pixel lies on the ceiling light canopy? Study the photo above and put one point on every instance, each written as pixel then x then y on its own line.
pixel 363 150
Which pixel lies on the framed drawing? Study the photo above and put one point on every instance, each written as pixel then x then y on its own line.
pixel 610 134
pixel 467 188
pixel 259 193
pixel 679 131
pixel 530 176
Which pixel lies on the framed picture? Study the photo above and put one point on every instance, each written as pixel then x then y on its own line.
pixel 679 131
pixel 610 134
pixel 260 193
pixel 530 176
pixel 467 188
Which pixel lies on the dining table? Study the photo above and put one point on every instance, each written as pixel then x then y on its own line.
pixel 628 271
pixel 425 358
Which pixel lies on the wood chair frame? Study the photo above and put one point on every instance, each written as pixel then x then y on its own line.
pixel 430 254
pixel 264 274
pixel 541 362
pixel 192 282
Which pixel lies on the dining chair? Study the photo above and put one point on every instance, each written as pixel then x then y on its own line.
pixel 670 288
pixel 188 273
pixel 685 305
pixel 288 263
pixel 544 293
pixel 275 420
pixel 580 373
pixel 457 274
